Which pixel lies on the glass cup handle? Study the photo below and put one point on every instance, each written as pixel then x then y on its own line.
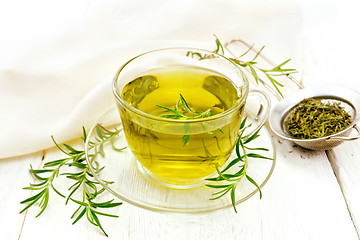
pixel 258 110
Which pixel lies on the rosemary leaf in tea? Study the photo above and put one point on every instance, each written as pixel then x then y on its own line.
pixel 313 118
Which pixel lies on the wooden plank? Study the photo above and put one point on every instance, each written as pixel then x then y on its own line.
pixel 303 200
pixel 13 177
pixel 345 162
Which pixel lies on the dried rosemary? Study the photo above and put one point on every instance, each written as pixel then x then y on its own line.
pixel 313 118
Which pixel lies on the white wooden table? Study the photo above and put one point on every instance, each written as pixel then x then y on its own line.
pixel 311 194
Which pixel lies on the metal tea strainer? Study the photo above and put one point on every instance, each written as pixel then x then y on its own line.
pixel 348 99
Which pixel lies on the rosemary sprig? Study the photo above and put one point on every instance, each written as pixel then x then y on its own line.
pixel 270 74
pixel 227 182
pixel 219 50
pixel 183 111
pixel 85 183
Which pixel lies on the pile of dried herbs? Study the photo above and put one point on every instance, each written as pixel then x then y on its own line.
pixel 313 118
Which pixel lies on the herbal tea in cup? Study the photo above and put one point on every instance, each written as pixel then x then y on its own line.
pixel 181 113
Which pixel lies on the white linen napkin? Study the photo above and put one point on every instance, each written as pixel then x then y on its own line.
pixel 58 80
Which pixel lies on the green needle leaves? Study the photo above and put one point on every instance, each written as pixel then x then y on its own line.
pixel 85 184
pixel 252 65
pixel 227 182
pixel 183 111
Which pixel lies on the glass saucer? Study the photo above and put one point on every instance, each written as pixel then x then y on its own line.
pixel 108 164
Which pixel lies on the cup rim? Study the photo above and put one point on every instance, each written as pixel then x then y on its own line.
pixel 232 109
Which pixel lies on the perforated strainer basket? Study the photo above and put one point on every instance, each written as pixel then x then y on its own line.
pixel 348 99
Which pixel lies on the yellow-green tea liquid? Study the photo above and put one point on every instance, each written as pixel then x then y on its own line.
pixel 158 145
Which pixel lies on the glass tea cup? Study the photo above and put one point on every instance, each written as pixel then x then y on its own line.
pixel 181 110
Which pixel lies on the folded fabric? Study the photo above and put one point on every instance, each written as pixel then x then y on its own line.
pixel 62 81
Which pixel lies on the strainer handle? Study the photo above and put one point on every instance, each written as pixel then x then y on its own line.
pixel 348 138
pixel 260 112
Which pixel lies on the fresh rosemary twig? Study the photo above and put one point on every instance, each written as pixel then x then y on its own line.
pixel 227 182
pixel 183 111
pixel 270 74
pixel 85 183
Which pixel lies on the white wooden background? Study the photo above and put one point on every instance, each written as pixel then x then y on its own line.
pixel 311 195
